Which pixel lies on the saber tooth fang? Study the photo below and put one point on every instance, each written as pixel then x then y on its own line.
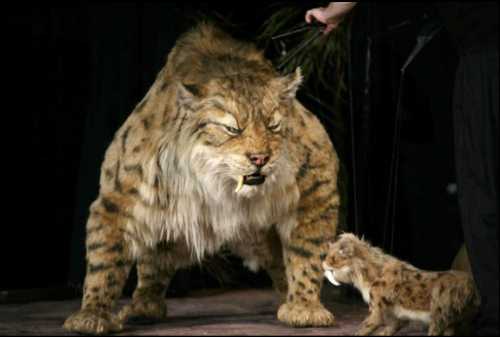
pixel 240 184
pixel 331 277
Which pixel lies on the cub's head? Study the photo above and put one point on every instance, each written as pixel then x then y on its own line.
pixel 237 125
pixel 343 258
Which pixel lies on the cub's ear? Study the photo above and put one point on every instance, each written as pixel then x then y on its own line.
pixel 348 250
pixel 288 85
pixel 187 94
pixel 330 245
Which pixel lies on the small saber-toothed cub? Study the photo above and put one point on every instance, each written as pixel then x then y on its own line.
pixel 398 292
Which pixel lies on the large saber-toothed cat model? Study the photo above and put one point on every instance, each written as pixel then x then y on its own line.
pixel 218 153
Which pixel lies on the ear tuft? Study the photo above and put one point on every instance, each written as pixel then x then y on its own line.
pixel 288 85
pixel 294 81
pixel 349 249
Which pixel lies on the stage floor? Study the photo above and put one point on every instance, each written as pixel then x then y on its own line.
pixel 235 312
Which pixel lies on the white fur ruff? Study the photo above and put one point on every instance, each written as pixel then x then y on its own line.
pixel 203 208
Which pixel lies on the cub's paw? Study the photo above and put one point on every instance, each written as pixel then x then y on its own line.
pixel 384 332
pixel 92 322
pixel 144 311
pixel 305 314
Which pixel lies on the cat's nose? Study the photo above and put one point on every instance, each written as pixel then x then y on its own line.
pixel 259 159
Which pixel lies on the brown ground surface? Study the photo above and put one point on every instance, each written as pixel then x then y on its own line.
pixel 235 312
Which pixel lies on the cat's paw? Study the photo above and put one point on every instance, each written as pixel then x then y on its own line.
pixel 92 322
pixel 144 311
pixel 305 315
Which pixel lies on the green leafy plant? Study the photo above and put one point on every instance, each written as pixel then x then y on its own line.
pixel 323 60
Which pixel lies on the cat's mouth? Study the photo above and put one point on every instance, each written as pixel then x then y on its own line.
pixel 253 179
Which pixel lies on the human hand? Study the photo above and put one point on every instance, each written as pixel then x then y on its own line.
pixel 331 15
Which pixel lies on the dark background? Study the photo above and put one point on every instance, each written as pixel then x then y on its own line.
pixel 74 72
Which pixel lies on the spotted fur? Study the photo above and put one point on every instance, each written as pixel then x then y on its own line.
pixel 167 190
pixel 398 292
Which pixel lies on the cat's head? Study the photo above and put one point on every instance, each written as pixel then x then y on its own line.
pixel 342 259
pixel 238 128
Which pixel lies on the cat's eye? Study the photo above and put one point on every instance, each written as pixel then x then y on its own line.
pixel 275 122
pixel 233 131
pixel 275 127
pixel 342 252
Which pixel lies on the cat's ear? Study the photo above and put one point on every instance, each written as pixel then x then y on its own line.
pixel 187 94
pixel 348 250
pixel 288 85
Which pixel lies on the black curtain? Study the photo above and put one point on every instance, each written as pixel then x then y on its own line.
pixel 45 77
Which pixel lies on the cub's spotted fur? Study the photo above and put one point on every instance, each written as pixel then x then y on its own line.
pixel 219 153
pixel 397 292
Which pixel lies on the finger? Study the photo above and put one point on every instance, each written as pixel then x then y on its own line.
pixel 308 20
pixel 329 27
pixel 309 16
pixel 315 14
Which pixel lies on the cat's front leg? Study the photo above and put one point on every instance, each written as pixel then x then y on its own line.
pixel 371 323
pixel 108 266
pixel 375 319
pixel 303 253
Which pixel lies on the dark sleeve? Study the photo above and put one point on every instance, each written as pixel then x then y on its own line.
pixel 471 24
